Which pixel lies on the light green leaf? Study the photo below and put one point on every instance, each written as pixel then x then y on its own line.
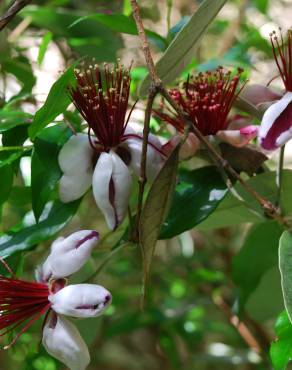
pixel 47 38
pixel 155 209
pixel 281 348
pixel 53 220
pixel 13 118
pixel 181 50
pixel 285 265
pixel 55 104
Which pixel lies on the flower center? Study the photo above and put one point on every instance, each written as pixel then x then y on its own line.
pixel 283 56
pixel 102 96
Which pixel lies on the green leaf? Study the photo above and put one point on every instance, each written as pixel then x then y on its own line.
pixel 231 211
pixel 55 104
pixel 155 209
pixel 285 266
pixel 119 23
pixel 55 216
pixel 181 50
pixel 6 176
pixel 13 156
pixel 45 170
pixel 13 118
pixel 47 38
pixel 262 5
pixel 197 195
pixel 281 348
pixel 257 255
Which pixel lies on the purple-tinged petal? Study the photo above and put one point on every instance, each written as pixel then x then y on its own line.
pixel 111 186
pixel 276 126
pixel 258 94
pixel 81 300
pixel 63 341
pixel 68 255
pixel 238 138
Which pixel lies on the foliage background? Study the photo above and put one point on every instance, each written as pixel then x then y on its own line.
pixel 185 323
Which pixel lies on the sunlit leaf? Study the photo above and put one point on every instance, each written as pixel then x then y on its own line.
pixel 47 38
pixel 285 265
pixel 181 51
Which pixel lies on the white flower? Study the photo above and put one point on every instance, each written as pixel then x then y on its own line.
pixel 24 302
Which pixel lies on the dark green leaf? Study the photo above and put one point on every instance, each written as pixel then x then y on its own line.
pixel 155 209
pixel 55 104
pixel 181 51
pixel 13 118
pixel 257 255
pixel 281 348
pixel 6 176
pixel 20 196
pixel 47 38
pixel 197 194
pixel 231 211
pixel 285 265
pixel 45 171
pixel 52 221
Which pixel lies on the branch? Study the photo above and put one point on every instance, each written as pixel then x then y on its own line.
pixel 11 12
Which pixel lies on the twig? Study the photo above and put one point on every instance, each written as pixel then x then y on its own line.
pixel 11 12
pixel 280 176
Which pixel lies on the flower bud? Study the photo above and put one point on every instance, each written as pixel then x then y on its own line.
pixel 62 340
pixel 80 300
pixel 238 138
pixel 68 255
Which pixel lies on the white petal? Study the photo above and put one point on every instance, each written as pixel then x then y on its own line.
pixel 75 160
pixel 272 113
pixel 154 158
pixel 81 300
pixel 69 255
pixel 111 186
pixel 62 340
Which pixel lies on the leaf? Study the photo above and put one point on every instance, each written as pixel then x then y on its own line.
pixel 248 159
pixel 156 208
pixel 257 255
pixel 247 107
pixel 47 38
pixel 231 211
pixel 120 23
pixel 45 170
pixel 54 218
pixel 281 348
pixel 285 266
pixel 6 176
pixel 55 104
pixel 13 118
pixel 13 156
pixel 181 50
pixel 197 195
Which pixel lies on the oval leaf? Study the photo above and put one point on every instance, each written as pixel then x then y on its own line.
pixel 181 51
pixel 156 207
pixel 285 265
pixel 197 195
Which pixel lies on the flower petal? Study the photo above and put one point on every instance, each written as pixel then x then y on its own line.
pixel 154 158
pixel 276 126
pixel 111 185
pixel 81 300
pixel 238 138
pixel 188 149
pixel 62 340
pixel 68 255
pixel 75 160
pixel 258 94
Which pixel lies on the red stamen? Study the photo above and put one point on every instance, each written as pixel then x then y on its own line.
pixel 103 102
pixel 207 99
pixel 21 301
pixel 283 56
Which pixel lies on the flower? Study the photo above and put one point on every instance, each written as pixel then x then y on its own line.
pixel 207 99
pixel 276 125
pixel 23 302
pixel 105 156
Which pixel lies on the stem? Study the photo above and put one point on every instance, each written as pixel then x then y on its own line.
pixel 168 15
pixel 8 148
pixel 105 262
pixel 279 178
pixel 11 12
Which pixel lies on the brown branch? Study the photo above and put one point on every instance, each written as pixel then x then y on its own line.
pixel 11 12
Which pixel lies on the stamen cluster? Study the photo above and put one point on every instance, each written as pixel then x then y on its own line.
pixel 283 56
pixel 207 98
pixel 102 99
